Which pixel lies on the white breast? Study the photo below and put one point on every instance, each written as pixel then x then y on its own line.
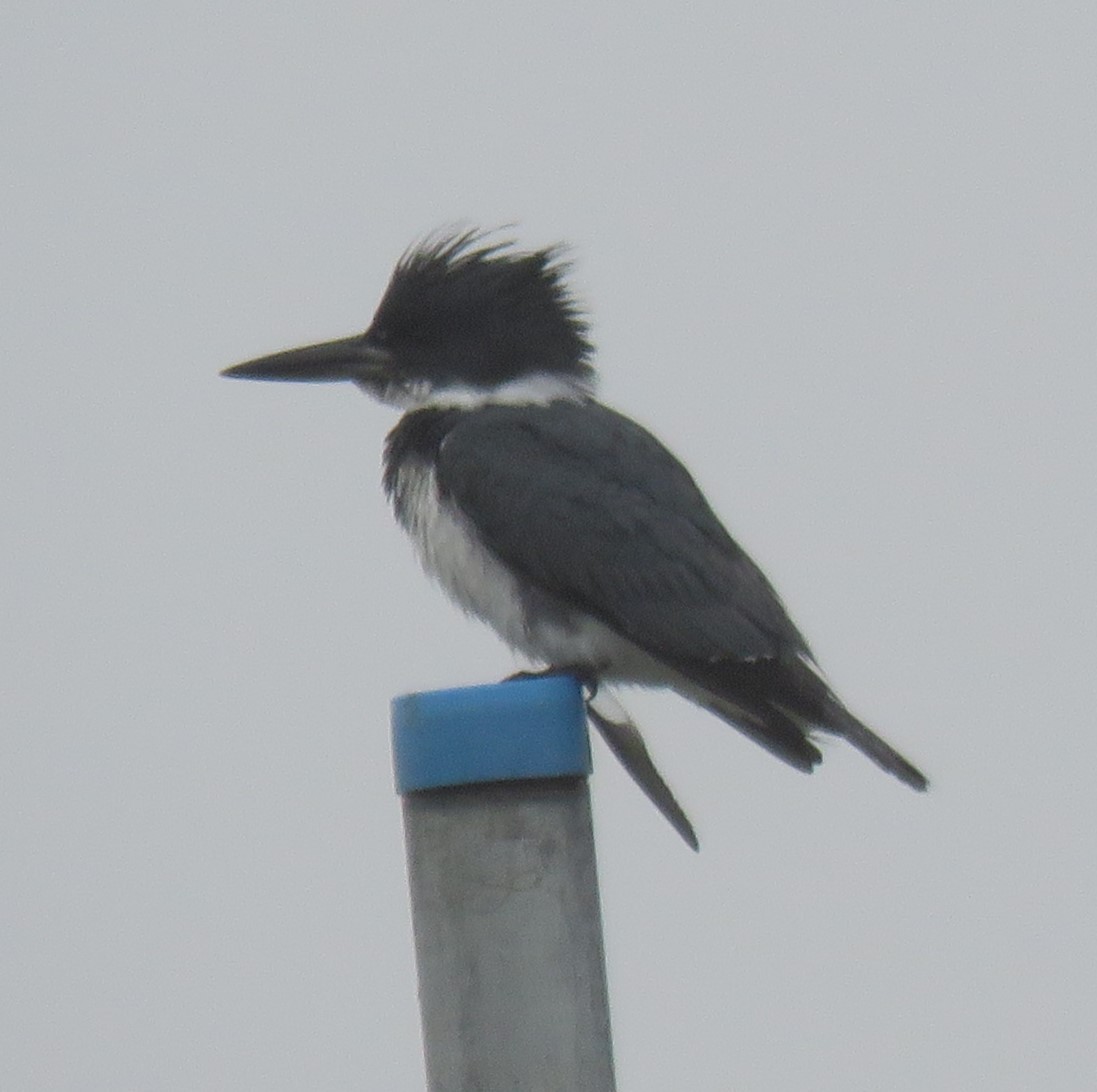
pixel 451 552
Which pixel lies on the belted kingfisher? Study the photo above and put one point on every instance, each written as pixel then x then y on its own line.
pixel 566 526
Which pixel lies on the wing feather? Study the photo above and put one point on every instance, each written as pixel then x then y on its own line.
pixel 594 510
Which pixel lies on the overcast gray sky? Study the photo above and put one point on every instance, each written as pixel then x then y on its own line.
pixel 839 256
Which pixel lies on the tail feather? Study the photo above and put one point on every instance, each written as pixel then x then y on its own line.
pixel 776 703
pixel 839 720
pixel 768 726
pixel 625 741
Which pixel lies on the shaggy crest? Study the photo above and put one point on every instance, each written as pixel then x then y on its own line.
pixel 470 306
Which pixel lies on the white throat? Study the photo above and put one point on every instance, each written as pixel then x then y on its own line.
pixel 529 390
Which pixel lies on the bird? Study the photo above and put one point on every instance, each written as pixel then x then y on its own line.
pixel 565 525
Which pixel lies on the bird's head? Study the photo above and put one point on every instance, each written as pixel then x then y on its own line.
pixel 464 320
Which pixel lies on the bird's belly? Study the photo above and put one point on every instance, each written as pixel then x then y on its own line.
pixel 528 619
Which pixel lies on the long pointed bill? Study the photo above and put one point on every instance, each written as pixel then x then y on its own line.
pixel 348 358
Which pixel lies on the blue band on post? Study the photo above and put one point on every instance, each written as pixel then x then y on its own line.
pixel 504 732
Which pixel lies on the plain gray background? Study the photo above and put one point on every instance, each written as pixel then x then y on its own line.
pixel 839 256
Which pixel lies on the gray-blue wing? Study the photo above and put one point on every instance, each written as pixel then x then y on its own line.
pixel 591 508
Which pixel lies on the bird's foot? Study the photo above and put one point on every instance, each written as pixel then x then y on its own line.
pixel 586 679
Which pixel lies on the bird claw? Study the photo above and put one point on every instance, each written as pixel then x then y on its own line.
pixel 586 680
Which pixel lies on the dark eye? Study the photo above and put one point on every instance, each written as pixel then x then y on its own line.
pixel 379 335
